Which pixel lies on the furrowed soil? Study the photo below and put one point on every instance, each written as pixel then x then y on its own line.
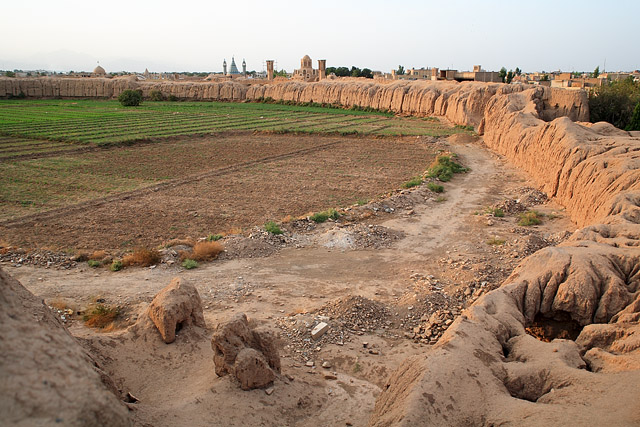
pixel 125 197
pixel 426 256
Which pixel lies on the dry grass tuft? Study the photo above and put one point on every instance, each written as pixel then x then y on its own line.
pixel 179 242
pixel 204 251
pixel 142 257
pixel 98 255
pixel 101 316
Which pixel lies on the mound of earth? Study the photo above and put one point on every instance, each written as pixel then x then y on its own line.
pixel 47 377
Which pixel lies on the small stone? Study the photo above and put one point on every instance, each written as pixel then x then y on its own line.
pixel 374 352
pixel 329 376
pixel 319 330
pixel 310 364
pixel 326 365
pixel 269 391
pixel 365 344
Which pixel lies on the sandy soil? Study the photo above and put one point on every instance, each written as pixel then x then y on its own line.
pixel 443 262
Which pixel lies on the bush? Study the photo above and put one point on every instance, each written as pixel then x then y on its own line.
pixel 530 218
pixel 101 316
pixel 156 95
pixel 435 187
pixel 130 98
pixel 142 257
pixel 172 98
pixel 414 182
pixel 497 212
pixel 444 168
pixel 214 237
pixel 494 241
pixel 272 228
pixel 320 217
pixel 205 251
pixel 189 263
pixel 116 265
pixel 93 263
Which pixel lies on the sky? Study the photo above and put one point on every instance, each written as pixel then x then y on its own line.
pixel 160 35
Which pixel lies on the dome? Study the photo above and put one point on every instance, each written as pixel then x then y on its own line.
pixel 306 58
pixel 99 70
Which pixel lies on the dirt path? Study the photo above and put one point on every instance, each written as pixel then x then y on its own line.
pixel 444 252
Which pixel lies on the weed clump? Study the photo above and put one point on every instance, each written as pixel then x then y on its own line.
pixel 530 218
pixel 436 188
pixel 272 227
pixel 444 168
pixel 116 265
pixel 414 182
pixel 189 263
pixel 497 212
pixel 142 257
pixel 94 263
pixel 101 316
pixel 320 217
pixel 214 237
pixel 494 241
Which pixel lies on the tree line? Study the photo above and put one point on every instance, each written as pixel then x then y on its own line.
pixel 352 72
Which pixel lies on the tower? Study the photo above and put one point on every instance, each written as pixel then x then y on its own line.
pixel 233 69
pixel 269 69
pixel 224 68
pixel 244 68
pixel 322 69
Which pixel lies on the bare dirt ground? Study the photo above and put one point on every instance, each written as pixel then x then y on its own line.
pixel 231 181
pixel 383 302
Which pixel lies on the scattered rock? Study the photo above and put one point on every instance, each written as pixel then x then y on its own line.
pixel 249 354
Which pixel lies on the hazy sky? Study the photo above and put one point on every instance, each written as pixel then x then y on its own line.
pixel 197 35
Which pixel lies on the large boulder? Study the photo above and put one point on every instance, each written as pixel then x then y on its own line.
pixel 251 355
pixel 175 307
pixel 47 377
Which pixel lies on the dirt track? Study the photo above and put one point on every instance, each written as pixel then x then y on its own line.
pixel 176 382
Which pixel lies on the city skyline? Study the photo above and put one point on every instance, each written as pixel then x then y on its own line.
pixel 198 36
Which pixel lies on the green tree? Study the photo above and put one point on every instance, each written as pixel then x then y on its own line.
pixel 518 71
pixel 615 102
pixel 510 76
pixel 281 73
pixel 366 73
pixel 130 98
pixel 343 72
pixel 400 70
pixel 10 74
pixel 544 78
pixel 502 74
pixel 634 124
pixel 596 72
pixel 330 70
pixel 355 71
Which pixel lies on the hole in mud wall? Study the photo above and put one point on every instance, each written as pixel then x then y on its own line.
pixel 560 326
pixel 179 326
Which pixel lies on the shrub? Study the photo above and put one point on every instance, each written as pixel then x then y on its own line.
pixel 414 182
pixel 93 263
pixel 204 251
pixel 435 187
pixel 142 257
pixel 116 265
pixel 156 95
pixel 440 199
pixel 530 218
pixel 130 98
pixel 272 228
pixel 320 217
pixel 189 263
pixel 444 168
pixel 101 316
pixel 172 98
pixel 214 237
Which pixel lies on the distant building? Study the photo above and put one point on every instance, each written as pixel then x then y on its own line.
pixel 99 72
pixel 306 71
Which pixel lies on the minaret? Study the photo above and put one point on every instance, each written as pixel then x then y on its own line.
pixel 224 67
pixel 244 68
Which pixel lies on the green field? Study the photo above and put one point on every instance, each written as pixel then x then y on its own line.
pixel 32 127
